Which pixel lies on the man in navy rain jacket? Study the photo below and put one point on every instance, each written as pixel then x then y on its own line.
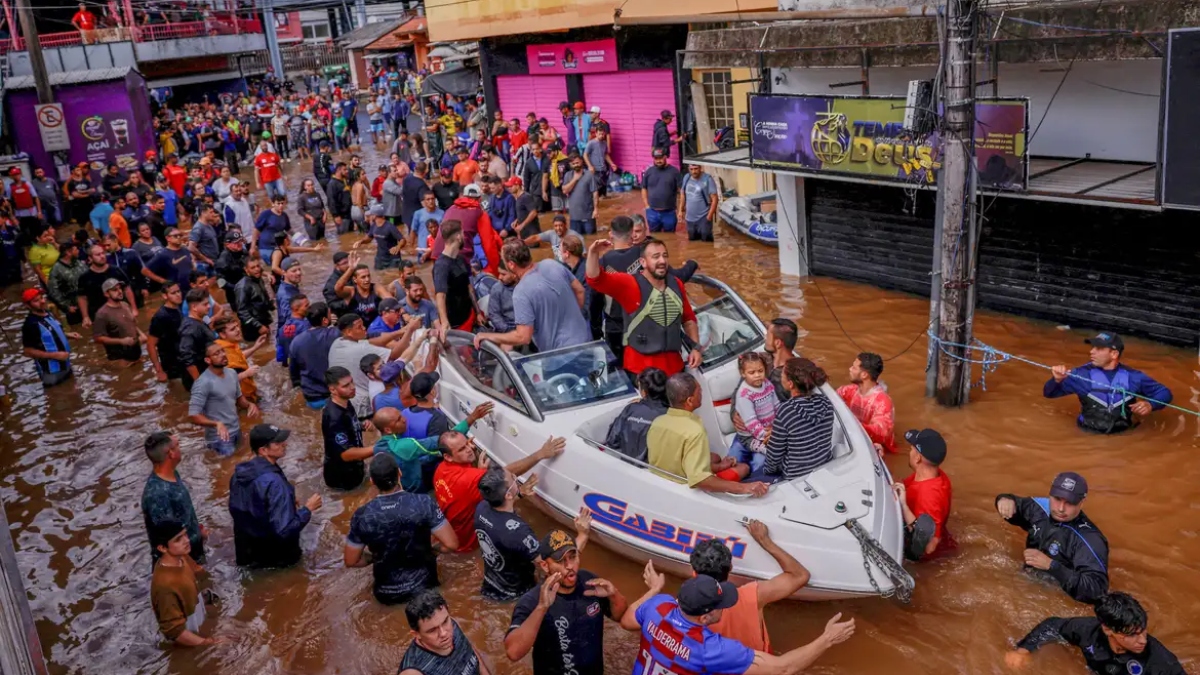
pixel 266 520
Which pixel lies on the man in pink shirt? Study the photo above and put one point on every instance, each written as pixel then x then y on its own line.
pixel 870 402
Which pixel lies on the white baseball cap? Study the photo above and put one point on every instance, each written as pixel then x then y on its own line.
pixel 595 109
pixel 472 190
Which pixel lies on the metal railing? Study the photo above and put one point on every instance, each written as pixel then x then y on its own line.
pixel 218 25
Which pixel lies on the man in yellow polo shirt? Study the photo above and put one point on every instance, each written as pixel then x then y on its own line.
pixel 678 445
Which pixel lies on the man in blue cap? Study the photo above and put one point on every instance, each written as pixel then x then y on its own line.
pixel 1062 541
pixel 1108 390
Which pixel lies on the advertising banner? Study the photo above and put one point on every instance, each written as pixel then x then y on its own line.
pixel 597 56
pixel 865 136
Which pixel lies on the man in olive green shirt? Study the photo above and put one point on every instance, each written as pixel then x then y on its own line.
pixel 678 445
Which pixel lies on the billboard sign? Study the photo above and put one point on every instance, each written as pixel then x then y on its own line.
pixel 566 58
pixel 865 136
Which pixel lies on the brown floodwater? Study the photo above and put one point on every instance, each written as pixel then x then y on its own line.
pixel 72 470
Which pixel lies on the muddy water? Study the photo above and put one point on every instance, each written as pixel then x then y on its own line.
pixel 71 474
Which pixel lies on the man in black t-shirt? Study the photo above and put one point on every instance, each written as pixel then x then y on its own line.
pixel 398 528
pixel 163 336
pixel 91 297
pixel 342 432
pixel 562 621
pixel 439 646
pixel 526 225
pixel 452 282
pixel 446 189
pixel 508 544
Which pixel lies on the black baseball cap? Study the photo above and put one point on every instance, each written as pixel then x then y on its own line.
pixel 340 256
pixel 702 594
pixel 1070 486
pixel 263 435
pixel 556 544
pixel 929 443
pixel 1107 339
pixel 422 384
pixel 658 153
pixel 388 304
pixel 383 467
pixel 666 114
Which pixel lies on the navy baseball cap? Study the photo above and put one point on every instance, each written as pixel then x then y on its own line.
pixel 929 443
pixel 703 594
pixel 1070 486
pixel 1107 339
pixel 422 384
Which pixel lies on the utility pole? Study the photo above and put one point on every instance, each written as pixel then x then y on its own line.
pixel 33 44
pixel 360 8
pixel 958 199
pixel 272 40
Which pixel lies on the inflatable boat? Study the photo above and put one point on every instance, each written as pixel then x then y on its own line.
pixel 746 215
pixel 842 521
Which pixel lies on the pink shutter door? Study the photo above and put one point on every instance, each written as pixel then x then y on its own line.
pixel 540 94
pixel 631 102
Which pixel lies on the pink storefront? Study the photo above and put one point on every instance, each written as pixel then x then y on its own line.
pixel 631 88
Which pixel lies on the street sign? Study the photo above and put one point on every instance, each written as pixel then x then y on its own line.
pixel 53 127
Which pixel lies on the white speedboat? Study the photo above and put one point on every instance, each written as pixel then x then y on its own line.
pixel 842 521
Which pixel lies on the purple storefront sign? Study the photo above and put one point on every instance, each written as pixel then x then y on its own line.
pixel 107 122
pixel 597 56
pixel 782 129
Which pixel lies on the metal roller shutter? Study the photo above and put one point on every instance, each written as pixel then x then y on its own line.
pixel 631 102
pixel 540 94
pixel 868 233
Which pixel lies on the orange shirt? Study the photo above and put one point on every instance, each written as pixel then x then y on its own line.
pixel 744 621
pixel 176 177
pixel 120 227
pixel 457 489
pixel 238 362
pixel 465 172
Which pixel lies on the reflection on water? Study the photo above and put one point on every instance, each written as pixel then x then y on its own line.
pixel 72 470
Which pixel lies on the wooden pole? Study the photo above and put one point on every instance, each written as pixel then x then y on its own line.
pixel 957 187
pixel 36 61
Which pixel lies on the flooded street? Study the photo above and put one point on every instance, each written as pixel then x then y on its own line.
pixel 72 470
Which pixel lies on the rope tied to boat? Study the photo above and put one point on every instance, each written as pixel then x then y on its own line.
pixel 902 582
pixel 992 357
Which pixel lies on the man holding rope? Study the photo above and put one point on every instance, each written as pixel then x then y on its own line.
pixel 1108 390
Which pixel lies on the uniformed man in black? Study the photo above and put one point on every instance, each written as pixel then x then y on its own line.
pixel 1062 541
pixel 1114 643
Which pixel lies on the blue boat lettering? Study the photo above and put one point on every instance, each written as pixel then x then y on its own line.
pixel 616 514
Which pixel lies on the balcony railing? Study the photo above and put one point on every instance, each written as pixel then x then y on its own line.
pixel 219 24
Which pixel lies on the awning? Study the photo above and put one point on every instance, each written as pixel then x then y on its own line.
pixel 460 82
pixel 1126 185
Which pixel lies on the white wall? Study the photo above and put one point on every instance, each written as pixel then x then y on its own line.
pixel 1106 108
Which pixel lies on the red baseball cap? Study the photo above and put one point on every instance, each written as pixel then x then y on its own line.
pixel 515 180
pixel 30 294
pixel 14 171
pixel 579 105
pixel 151 153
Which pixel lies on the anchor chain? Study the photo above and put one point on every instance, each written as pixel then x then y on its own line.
pixel 902 582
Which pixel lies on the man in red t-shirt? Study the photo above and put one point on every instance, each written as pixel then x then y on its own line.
pixel 85 22
pixel 925 497
pixel 176 175
pixel 456 480
pixel 267 173
pixel 657 311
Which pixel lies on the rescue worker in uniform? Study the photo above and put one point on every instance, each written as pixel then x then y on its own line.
pixel 657 312
pixel 1115 642
pixel 1105 387
pixel 1062 540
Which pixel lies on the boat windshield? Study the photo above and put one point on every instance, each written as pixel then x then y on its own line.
pixel 573 376
pixel 726 330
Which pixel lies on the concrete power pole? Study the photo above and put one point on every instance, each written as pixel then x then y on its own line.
pixel 272 40
pixel 957 192
pixel 360 9
pixel 37 62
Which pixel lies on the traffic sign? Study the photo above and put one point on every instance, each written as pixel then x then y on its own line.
pixel 53 127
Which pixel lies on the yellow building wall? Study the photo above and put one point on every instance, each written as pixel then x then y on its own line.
pixel 459 20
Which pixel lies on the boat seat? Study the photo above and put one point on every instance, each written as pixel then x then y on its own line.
pixel 724 413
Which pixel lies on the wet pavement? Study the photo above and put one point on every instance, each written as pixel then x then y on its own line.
pixel 72 470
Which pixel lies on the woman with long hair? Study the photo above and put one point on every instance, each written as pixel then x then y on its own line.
pixel 801 438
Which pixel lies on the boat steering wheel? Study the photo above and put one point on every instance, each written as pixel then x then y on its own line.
pixel 569 380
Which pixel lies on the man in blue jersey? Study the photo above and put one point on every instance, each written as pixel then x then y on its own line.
pixel 676 637
pixel 1108 390
pixel 44 341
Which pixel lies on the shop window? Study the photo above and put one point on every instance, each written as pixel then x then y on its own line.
pixel 718 94
pixel 315 31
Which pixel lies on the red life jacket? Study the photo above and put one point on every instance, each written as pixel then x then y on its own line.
pixel 22 195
